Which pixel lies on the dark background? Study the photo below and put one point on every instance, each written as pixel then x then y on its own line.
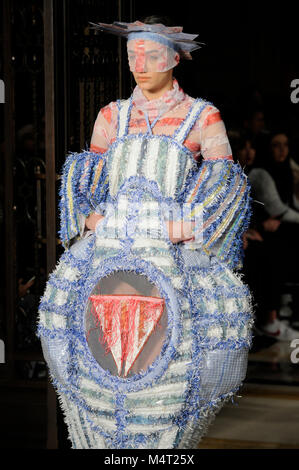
pixel 251 46
pixel 248 61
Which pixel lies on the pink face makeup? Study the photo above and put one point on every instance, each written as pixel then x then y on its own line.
pixel 150 56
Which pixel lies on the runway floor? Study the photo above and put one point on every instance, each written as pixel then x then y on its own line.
pixel 265 417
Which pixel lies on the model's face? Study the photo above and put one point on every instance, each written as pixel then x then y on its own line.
pixel 152 82
pixel 147 56
pixel 280 147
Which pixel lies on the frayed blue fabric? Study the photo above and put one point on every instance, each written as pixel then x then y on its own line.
pixel 84 187
pixel 230 192
pixel 203 359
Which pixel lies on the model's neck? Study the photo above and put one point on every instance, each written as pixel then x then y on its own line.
pixel 155 94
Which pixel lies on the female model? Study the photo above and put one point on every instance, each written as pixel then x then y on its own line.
pixel 145 324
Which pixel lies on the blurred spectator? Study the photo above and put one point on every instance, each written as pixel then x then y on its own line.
pixel 262 265
pixel 255 129
pixel 295 169
pixel 273 183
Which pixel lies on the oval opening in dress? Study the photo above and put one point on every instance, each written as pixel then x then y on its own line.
pixel 125 323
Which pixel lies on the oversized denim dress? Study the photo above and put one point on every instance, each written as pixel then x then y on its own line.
pixel 145 339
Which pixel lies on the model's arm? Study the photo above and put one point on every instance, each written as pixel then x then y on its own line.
pixel 219 192
pixel 84 185
pixel 208 134
pixel 104 132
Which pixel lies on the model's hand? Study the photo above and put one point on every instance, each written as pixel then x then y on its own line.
pixel 92 220
pixel 179 231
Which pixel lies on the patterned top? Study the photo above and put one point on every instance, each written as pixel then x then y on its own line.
pixel 208 137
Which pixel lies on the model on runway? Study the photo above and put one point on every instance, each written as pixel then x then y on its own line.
pixel 145 322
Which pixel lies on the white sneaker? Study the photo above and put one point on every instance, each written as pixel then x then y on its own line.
pixel 280 330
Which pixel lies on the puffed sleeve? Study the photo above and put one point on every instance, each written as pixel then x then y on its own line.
pixel 84 181
pixel 218 193
pixel 84 188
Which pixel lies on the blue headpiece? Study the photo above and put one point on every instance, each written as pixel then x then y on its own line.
pixel 171 36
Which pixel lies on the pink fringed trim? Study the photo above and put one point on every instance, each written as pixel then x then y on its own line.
pixel 126 322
